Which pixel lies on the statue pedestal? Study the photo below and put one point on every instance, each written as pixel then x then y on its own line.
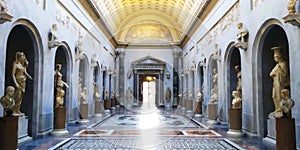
pixel 9 132
pixel 84 108
pixel 190 111
pixel 271 122
pixel 235 123
pixel 23 130
pixel 168 106
pixel 107 105
pixel 198 109
pixel 285 133
pixel 98 108
pixel 212 113
pixel 59 122
pixel 113 102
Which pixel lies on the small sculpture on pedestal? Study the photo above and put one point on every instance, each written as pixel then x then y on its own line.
pixel 242 37
pixel 4 15
pixel 83 99
pixel 52 37
pixel 128 95
pixel 281 80
pixel 286 104
pixel 19 76
pixel 8 102
pixel 237 101
pixel 58 85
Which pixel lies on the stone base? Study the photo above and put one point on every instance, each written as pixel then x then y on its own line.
pixel 84 110
pixel 107 111
pixel 189 112
pixel 235 119
pixel 168 106
pixel 113 110
pixel 59 132
pixel 107 104
pixel 198 115
pixel 285 133
pixel 271 128
pixel 23 130
pixel 212 111
pixel 212 122
pixel 9 130
pixel 83 121
pixel 98 108
pixel 98 114
pixel 235 133
pixel 198 107
pixel 183 110
pixel 59 118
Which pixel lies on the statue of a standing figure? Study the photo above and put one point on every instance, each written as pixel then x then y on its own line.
pixel 83 94
pixel 214 90
pixel 168 95
pixel 19 76
pixel 280 75
pixel 128 95
pixel 97 92
pixel 58 85
pixel 8 101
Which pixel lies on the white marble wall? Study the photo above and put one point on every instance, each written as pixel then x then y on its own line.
pixel 224 34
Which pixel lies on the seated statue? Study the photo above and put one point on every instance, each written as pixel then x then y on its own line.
pixel 286 104
pixel 8 102
pixel 52 37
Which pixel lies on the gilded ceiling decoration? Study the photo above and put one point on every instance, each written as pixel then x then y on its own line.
pixel 148 21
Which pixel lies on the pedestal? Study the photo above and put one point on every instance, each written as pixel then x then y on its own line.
pixel 271 124
pixel 98 108
pixel 113 102
pixel 235 123
pixel 107 104
pixel 285 133
pixel 212 113
pixel 9 133
pixel 198 109
pixel 23 130
pixel 84 107
pixel 59 122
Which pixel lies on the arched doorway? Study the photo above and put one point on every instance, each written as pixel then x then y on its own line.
pixel 62 56
pixel 233 58
pixel 24 37
pixel 270 35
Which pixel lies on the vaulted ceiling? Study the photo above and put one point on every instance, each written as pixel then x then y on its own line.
pixel 148 22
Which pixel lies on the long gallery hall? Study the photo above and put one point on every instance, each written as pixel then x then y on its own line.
pixel 149 74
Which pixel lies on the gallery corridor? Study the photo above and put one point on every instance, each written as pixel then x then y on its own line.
pixel 141 128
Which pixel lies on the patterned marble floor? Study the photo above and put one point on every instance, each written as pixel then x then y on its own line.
pixel 154 130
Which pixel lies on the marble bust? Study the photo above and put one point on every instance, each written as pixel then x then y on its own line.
pixel 83 98
pixel 286 104
pixel 237 101
pixel 8 101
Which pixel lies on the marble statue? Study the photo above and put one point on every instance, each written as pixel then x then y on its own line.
pixel 94 61
pixel 128 94
pixel 52 42
pixel 58 85
pixel 19 76
pixel 217 53
pixel 106 95
pixel 83 94
pixel 280 77
pixel 291 6
pixel 239 77
pixel 215 80
pixel 286 104
pixel 213 97
pixel 59 98
pixel 8 101
pixel 78 55
pixel 97 92
pixel 3 6
pixel 79 86
pixel 237 101
pixel 242 33
pixel 168 95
